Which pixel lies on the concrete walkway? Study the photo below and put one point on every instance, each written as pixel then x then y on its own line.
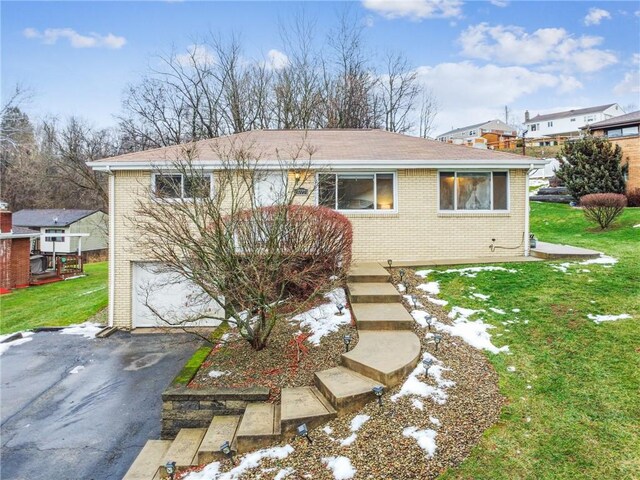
pixel 550 251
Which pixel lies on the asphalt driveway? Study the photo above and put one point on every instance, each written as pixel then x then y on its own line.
pixel 78 408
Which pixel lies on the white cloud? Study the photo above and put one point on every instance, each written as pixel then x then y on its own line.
pixel 50 36
pixel 196 54
pixel 629 84
pixel 499 3
pixel 595 16
pixel 553 48
pixel 635 59
pixel 276 59
pixel 415 9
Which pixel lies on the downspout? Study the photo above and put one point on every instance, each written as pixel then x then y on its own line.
pixel 112 244
pixel 527 244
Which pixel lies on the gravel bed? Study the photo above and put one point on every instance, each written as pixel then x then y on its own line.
pixel 380 450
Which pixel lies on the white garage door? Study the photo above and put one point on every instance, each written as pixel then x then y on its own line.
pixel 169 294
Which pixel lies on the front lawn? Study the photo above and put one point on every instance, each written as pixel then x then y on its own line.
pixel 56 304
pixel 572 386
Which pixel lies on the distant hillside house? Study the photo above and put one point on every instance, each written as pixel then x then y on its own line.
pixel 567 124
pixel 624 131
pixel 52 223
pixel 493 134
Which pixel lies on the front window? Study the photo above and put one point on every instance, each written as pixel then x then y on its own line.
pixel 357 191
pixel 474 190
pixel 534 127
pixel 622 132
pixel 177 185
pixel 549 124
pixel 54 239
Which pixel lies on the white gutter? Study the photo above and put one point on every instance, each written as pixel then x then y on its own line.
pixel 112 246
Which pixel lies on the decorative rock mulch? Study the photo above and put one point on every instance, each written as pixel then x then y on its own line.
pixel 380 450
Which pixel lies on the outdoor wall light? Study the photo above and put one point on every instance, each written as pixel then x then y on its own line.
pixel 378 391
pixel 225 448
pixel 437 338
pixel 401 272
pixel 170 467
pixel 347 341
pixel 303 431
pixel 389 262
pixel 426 363
pixel 340 308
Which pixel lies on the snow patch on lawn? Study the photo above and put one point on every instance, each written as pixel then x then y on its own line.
pixel 636 226
pixel 603 260
pixel 426 439
pixel 340 467
pixel 472 272
pixel 481 296
pixel 324 319
pixel 26 337
pixel 437 301
pixel 76 369
pixel 608 318
pixel 413 386
pixel 249 461
pixel 432 288
pixel 511 368
pixel 87 329
pixel 475 333
pixel 498 311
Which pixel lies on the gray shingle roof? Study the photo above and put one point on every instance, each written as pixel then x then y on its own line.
pixel 56 217
pixel 567 113
pixel 629 118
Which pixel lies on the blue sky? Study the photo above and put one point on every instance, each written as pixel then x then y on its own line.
pixel 477 56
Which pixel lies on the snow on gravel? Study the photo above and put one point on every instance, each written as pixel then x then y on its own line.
pixel 26 337
pixel 417 404
pixel 87 329
pixel 437 301
pixel 426 439
pixel 324 319
pixel 435 421
pixel 414 386
pixel 356 424
pixel 432 288
pixel 420 316
pixel 340 467
pixel 249 461
pixel 284 473
pixel 217 373
pixel 608 318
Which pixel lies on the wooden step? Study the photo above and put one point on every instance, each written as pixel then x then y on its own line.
pixel 347 390
pixel 145 466
pixel 382 316
pixel 304 405
pixel 222 429
pixel 259 427
pixel 373 293
pixel 184 449
pixel 368 273
pixel 384 356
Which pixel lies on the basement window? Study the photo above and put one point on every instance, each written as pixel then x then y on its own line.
pixel 177 185
pixel 474 191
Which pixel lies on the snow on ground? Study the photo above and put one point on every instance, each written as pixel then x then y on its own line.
pixel 636 226
pixel 601 260
pixel 414 386
pixel 87 329
pixel 410 300
pixel 608 318
pixel 356 424
pixel 432 288
pixel 327 429
pixel 284 473
pixel 497 310
pixel 424 273
pixel 604 260
pixel 420 316
pixel 401 288
pixel 76 369
pixel 324 319
pixel 481 296
pixel 435 421
pixel 516 310
pixel 426 439
pixel 475 333
pixel 340 467
pixel 217 373
pixel 511 368
pixel 417 404
pixel 473 271
pixel 26 337
pixel 249 461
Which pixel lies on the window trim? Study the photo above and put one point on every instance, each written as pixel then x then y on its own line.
pixel 455 210
pixel 372 211
pixel 182 197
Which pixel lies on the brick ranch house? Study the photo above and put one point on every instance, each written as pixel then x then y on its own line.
pixel 408 198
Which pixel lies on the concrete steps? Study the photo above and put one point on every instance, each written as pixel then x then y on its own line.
pixel 184 448
pixel 384 356
pixel 382 316
pixel 304 405
pixel 347 390
pixel 222 429
pixel 368 273
pixel 259 427
pixel 373 292
pixel 146 464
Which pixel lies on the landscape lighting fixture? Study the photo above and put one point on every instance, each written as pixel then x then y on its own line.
pixel 401 272
pixel 170 467
pixel 340 308
pixel 378 391
pixel 389 262
pixel 414 300
pixel 429 322
pixel 303 431
pixel 437 338
pixel 225 448
pixel 426 363
pixel 347 340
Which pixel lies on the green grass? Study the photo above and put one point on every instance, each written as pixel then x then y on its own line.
pixel 56 304
pixel 584 400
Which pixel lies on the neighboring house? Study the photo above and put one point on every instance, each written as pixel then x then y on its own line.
pixel 15 253
pixel 408 199
pixel 623 131
pixel 61 230
pixel 493 134
pixel 561 125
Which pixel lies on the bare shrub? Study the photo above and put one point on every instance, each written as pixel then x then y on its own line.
pixel 603 208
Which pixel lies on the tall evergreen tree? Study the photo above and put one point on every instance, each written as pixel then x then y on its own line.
pixel 591 165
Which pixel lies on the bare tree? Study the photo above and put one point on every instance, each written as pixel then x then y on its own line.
pixel 428 112
pixel 400 88
pixel 250 264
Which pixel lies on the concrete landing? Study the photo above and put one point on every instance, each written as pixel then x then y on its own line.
pixel 184 449
pixel 386 357
pixel 259 427
pixel 382 316
pixel 347 390
pixel 368 273
pixel 550 251
pixel 146 463
pixel 304 405
pixel 222 429
pixel 373 293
